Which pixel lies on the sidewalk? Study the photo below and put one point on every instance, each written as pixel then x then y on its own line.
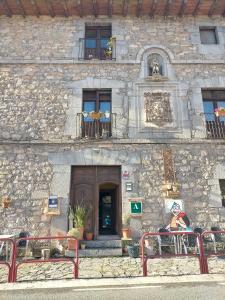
pixel 112 282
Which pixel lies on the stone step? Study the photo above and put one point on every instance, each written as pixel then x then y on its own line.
pixel 97 252
pixel 102 244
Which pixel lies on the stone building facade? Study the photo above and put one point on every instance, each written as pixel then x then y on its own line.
pixel 42 85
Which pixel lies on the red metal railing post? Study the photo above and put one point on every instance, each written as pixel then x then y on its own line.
pixel 143 260
pixel 10 264
pixel 202 258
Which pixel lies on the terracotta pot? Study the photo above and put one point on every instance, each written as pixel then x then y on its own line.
pixel 126 233
pixel 89 236
pixel 71 244
pixel 81 231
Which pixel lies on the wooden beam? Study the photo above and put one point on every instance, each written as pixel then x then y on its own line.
pixel 95 8
pixel 153 8
pixel 125 7
pixel 50 8
pixel 21 8
pixel 212 8
pixel 139 8
pixel 6 8
pixel 167 8
pixel 80 8
pixel 110 3
pixel 37 10
pixel 182 8
pixel 196 7
pixel 65 8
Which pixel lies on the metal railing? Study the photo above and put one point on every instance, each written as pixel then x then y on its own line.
pixel 179 243
pixel 8 263
pixel 96 128
pixel 93 48
pixel 215 126
pixel 15 264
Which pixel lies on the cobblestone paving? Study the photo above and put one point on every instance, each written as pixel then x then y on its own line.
pixel 113 267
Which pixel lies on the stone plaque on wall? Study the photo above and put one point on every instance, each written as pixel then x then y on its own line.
pixel 157 108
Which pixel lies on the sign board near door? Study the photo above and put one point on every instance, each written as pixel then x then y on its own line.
pixel 136 207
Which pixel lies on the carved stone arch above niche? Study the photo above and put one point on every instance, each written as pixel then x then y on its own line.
pixel 156 63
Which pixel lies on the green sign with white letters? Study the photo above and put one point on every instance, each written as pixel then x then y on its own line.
pixel 136 207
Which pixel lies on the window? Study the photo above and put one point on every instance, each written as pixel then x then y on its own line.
pixel 212 100
pixel 97 39
pixel 96 113
pixel 222 189
pixel 208 35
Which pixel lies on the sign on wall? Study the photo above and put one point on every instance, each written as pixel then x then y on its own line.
pixel 52 207
pixel 136 206
pixel 170 202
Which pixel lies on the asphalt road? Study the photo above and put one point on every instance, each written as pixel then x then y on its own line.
pixel 198 291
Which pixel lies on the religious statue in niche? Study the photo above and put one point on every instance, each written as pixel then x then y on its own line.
pixel 157 108
pixel 155 65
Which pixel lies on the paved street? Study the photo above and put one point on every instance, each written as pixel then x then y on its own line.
pixel 180 291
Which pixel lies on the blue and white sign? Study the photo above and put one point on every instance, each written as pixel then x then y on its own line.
pixel 53 202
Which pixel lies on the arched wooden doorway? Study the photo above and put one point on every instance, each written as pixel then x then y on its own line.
pixel 95 186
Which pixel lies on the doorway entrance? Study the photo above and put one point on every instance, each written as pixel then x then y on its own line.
pixel 99 189
pixel 107 209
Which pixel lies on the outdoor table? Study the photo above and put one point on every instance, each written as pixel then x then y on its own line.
pixel 6 243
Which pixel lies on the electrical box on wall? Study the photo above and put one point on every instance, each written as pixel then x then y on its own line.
pixel 53 206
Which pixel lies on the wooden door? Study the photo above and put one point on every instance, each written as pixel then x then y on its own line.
pixel 86 185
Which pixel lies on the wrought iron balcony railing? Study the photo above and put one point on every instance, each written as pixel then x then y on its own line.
pixel 92 48
pixel 215 126
pixel 96 125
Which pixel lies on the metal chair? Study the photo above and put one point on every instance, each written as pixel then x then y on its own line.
pixel 166 241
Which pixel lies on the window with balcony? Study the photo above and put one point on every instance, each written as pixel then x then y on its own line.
pixel 214 103
pixel 97 44
pixel 208 35
pixel 96 117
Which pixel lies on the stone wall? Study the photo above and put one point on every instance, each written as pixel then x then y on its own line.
pixel 58 38
pixel 30 174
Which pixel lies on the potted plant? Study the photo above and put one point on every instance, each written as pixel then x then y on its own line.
pixel 220 112
pixel 89 235
pixel 79 215
pixel 126 226
pixel 133 250
pixel 75 233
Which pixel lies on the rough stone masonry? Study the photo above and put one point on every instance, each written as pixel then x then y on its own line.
pixel 41 84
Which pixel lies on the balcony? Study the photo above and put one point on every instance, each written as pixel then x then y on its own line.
pixel 215 126
pixel 101 49
pixel 96 125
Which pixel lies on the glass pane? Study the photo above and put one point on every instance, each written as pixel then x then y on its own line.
pixel 208 36
pixel 106 108
pixel 88 107
pixel 209 111
pixel 221 104
pixel 90 33
pixel 90 43
pixel 105 33
pixel 104 43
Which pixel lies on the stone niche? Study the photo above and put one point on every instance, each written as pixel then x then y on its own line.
pixel 157 108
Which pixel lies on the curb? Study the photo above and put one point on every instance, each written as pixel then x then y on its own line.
pixel 113 282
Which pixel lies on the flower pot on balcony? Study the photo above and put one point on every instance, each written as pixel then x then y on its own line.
pixel 95 115
pixel 220 113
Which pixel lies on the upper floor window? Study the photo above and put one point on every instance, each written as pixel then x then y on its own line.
pixel 98 43
pixel 208 35
pixel 96 115
pixel 214 100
